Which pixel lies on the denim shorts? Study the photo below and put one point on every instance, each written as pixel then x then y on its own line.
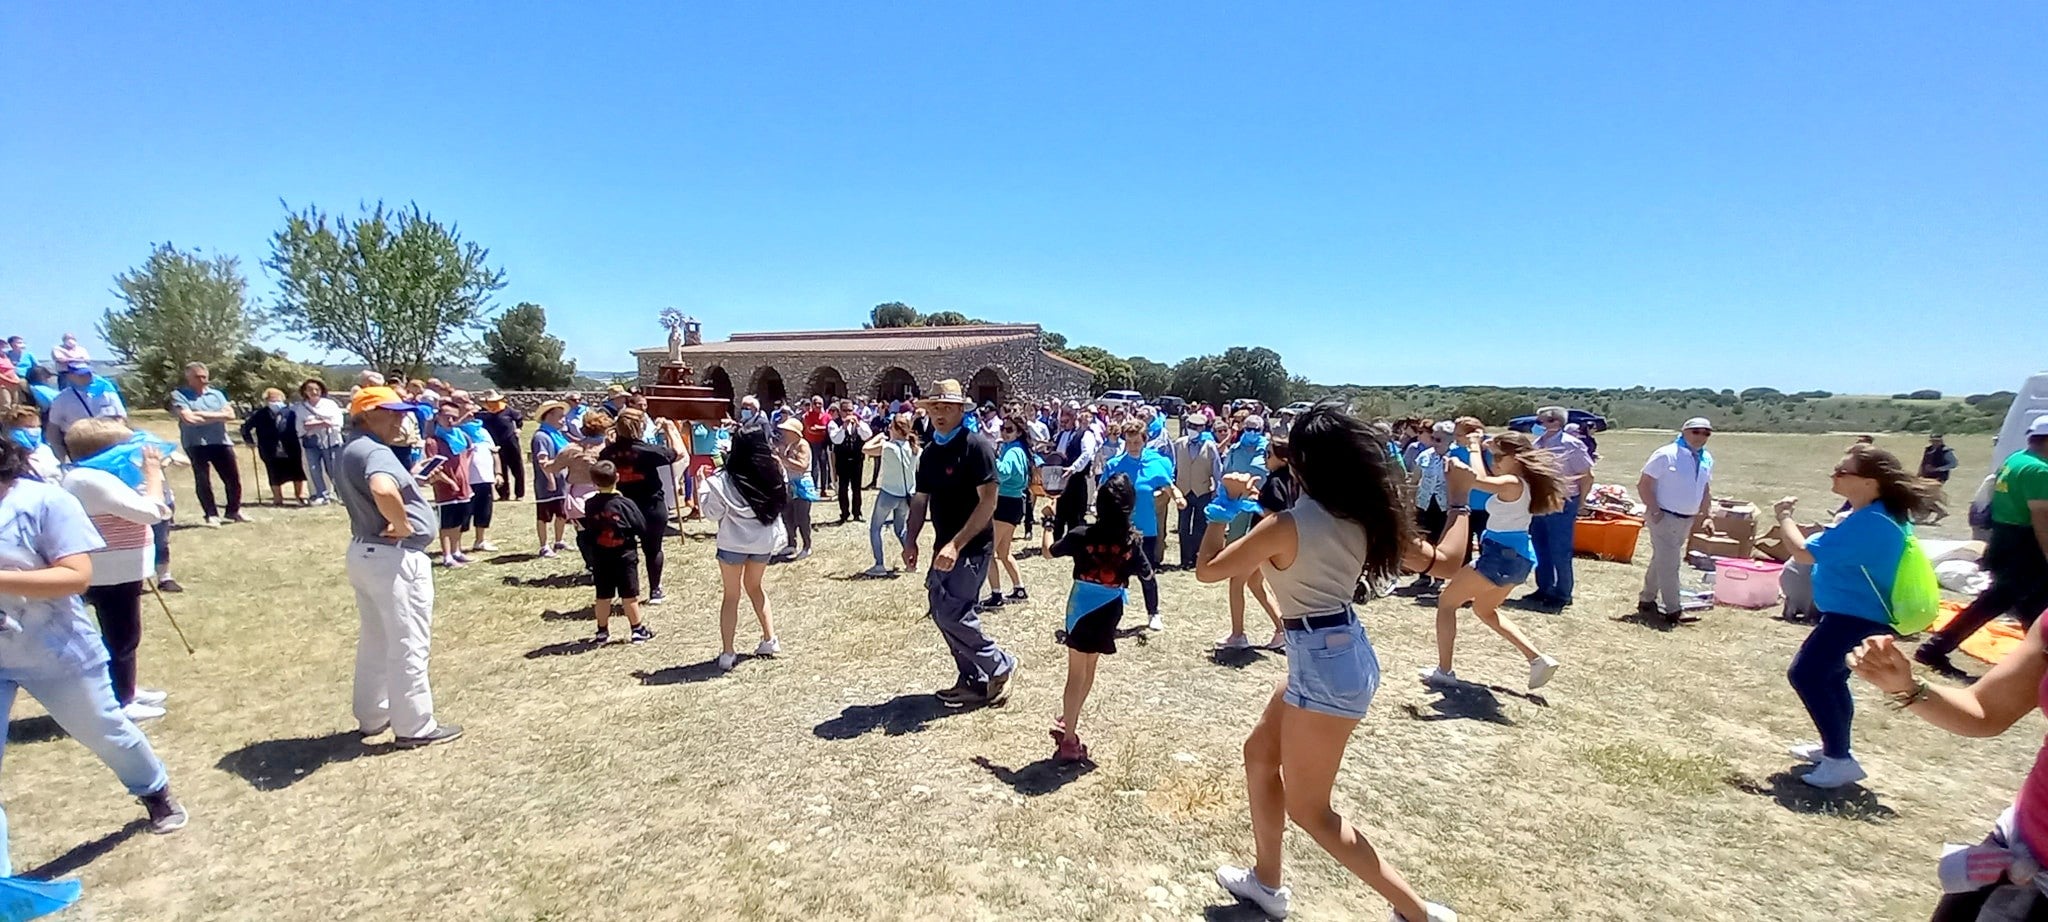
pixel 1332 671
pixel 1501 566
pixel 736 558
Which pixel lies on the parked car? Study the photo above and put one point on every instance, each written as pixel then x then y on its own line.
pixel 1171 407
pixel 1298 407
pixel 1587 421
pixel 1120 399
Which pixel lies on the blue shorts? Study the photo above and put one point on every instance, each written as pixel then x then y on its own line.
pixel 736 558
pixel 1501 566
pixel 1332 671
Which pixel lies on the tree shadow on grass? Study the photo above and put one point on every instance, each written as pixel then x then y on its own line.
pixel 273 765
pixel 586 613
pixel 1463 702
pixel 84 853
pixel 564 648
pixel 1041 777
pixel 551 581
pixel 684 675
pixel 41 729
pixel 894 717
pixel 1852 802
pixel 1233 912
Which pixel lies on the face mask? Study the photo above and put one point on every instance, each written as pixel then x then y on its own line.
pixel 276 404
pixel 30 439
pixel 747 414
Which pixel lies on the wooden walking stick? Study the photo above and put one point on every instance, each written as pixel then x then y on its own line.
pixel 174 621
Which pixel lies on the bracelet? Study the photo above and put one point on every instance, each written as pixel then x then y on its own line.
pixel 1458 510
pixel 1906 699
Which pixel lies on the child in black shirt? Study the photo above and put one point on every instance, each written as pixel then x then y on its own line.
pixel 1106 555
pixel 612 526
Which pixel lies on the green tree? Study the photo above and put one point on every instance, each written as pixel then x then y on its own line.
pixel 396 289
pixel 1111 371
pixel 245 375
pixel 1494 407
pixel 1149 377
pixel 893 314
pixel 519 353
pixel 177 307
pixel 1055 343
pixel 949 319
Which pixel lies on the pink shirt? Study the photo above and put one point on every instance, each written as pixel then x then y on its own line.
pixel 2030 809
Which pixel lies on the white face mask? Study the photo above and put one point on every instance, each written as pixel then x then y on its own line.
pixel 277 404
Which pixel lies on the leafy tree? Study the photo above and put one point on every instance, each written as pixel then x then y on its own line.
pixel 893 314
pixel 1111 372
pixel 949 319
pixel 1196 380
pixel 1494 407
pixel 245 375
pixel 1149 377
pixel 397 289
pixel 519 353
pixel 177 307
pixel 1055 343
pixel 1761 393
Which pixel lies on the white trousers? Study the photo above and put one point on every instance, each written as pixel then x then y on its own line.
pixel 395 599
pixel 1667 554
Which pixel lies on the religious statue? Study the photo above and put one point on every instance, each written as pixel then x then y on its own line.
pixel 673 319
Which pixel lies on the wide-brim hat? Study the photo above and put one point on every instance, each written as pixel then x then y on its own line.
pixel 1698 422
pixel 791 424
pixel 550 407
pixel 946 391
pixel 491 396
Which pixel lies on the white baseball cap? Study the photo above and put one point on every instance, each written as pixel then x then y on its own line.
pixel 2037 428
pixel 1698 422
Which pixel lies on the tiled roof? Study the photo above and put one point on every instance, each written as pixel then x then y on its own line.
pixel 893 339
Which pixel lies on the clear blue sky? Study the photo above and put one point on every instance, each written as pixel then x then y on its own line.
pixel 1842 196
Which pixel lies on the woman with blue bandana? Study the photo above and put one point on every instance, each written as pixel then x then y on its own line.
pixel 25 428
pixel 119 480
pixel 1151 473
pixel 1525 482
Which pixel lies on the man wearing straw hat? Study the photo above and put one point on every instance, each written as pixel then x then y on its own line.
pixel 956 485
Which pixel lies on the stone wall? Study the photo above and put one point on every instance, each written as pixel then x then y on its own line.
pixel 528 401
pixel 1012 370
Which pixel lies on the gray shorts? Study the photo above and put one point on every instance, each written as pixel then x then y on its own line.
pixel 736 558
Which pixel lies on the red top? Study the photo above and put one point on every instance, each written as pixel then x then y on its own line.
pixel 815 422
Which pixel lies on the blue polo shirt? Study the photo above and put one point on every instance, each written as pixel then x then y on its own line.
pixel 1479 497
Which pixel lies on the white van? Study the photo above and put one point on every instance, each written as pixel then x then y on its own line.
pixel 1124 399
pixel 2032 402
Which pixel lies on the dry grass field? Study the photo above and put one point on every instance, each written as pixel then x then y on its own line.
pixel 1649 781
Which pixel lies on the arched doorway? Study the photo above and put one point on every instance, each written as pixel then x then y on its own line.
pixel 767 385
pixel 986 387
pixel 826 382
pixel 895 384
pixel 719 382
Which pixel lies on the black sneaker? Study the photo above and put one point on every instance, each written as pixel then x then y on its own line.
pixel 656 597
pixel 1933 659
pixel 1647 608
pixel 166 815
pixel 994 600
pixel 601 638
pixel 1019 595
pixel 444 733
pixel 642 634
pixel 999 688
pixel 168 585
pixel 961 691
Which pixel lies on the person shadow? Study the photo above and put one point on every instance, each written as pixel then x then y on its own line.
pixel 1236 657
pixel 78 856
pixel 1850 801
pixel 1657 623
pixel 685 675
pixel 894 717
pixel 563 648
pixel 1465 702
pixel 273 765
pixel 1041 777
pixel 1233 912
pixel 551 581
pixel 586 613
pixel 511 557
pixel 39 729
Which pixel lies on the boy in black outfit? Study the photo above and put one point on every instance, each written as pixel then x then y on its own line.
pixel 612 525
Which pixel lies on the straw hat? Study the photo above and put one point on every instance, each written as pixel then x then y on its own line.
pixel 791 425
pixel 491 396
pixel 550 407
pixel 947 391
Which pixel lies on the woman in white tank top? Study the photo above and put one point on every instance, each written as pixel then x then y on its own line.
pixel 1348 522
pixel 1524 481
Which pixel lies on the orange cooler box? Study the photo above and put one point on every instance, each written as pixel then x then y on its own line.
pixel 1608 537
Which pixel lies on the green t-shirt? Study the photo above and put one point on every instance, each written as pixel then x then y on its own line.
pixel 2023 479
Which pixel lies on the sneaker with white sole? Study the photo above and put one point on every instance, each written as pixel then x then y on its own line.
pixel 1279 642
pixel 138 712
pixel 1157 623
pixel 547 551
pixel 483 547
pixel 154 697
pixel 656 597
pixel 1804 752
pixel 1833 773
pixel 875 572
pixel 1540 670
pixel 1440 678
pixel 726 661
pixel 1243 884
pixel 1436 913
pixel 769 647
pixel 1234 642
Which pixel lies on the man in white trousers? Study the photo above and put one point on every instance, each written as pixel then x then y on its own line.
pixel 1675 487
pixel 391 524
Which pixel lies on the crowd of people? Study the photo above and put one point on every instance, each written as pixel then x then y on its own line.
pixel 1309 513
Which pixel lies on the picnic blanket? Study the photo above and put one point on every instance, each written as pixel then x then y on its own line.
pixel 1990 644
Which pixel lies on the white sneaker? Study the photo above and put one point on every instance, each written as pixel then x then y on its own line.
pixel 154 697
pixel 1156 625
pixel 1807 752
pixel 482 547
pixel 139 712
pixel 1244 885
pixel 769 647
pixel 1234 642
pixel 1279 641
pixel 1439 678
pixel 1436 912
pixel 1540 670
pixel 211 521
pixel 726 661
pixel 875 572
pixel 1833 773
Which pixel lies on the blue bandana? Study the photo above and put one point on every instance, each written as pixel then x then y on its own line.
pixel 125 460
pixel 945 437
pixel 1156 428
pixel 1702 460
pixel 555 436
pixel 456 439
pixel 30 439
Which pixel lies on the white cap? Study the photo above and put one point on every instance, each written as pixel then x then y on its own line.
pixel 1698 422
pixel 2038 428
pixel 1255 422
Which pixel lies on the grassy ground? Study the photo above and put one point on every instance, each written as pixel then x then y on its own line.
pixel 1648 781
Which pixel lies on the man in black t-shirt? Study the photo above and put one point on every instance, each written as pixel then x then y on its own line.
pixel 956 485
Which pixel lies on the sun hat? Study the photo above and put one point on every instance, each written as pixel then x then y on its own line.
pixel 376 398
pixel 491 395
pixel 2037 428
pixel 1698 422
pixel 946 391
pixel 791 424
pixel 550 407
pixel 1198 418
pixel 615 390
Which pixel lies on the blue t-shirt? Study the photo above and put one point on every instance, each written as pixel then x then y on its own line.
pixel 1479 497
pixel 1150 472
pixel 1869 542
pixel 1012 468
pixel 703 440
pixel 40 524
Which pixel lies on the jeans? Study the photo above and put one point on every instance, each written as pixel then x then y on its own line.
pixel 1667 554
pixel 821 464
pixel 1150 584
pixel 893 512
pixel 1820 675
pixel 207 459
pixel 1553 537
pixel 1194 520
pixel 952 595
pixel 118 608
pixel 320 465
pixel 2019 586
pixel 82 703
pixel 395 602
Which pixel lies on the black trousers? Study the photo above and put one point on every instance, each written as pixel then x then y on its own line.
pixel 650 542
pixel 849 492
pixel 2019 585
pixel 512 479
pixel 119 609
pixel 1070 511
pixel 208 459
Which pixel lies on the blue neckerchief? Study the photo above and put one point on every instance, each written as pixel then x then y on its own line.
pixel 942 438
pixel 456 439
pixel 555 436
pixel 1156 428
pixel 125 460
pixel 972 421
pixel 1701 460
pixel 1086 597
pixel 474 428
pixel 1204 436
pixel 30 439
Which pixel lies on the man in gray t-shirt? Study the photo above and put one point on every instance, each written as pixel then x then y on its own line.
pixel 203 415
pixel 390 525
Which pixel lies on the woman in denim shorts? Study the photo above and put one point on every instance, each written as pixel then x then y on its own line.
pixel 1525 482
pixel 1348 522
pixel 746 499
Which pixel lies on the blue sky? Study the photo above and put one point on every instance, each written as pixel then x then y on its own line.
pixel 1800 195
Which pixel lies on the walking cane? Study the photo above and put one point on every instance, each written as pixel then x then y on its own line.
pixel 256 462
pixel 174 622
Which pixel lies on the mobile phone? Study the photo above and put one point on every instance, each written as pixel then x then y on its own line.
pixel 429 466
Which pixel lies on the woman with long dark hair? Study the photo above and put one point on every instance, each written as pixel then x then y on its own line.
pixel 746 499
pixel 1106 555
pixel 641 468
pixel 1525 483
pixel 1015 467
pixel 1855 563
pixel 1348 522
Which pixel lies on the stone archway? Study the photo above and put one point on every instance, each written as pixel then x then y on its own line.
pixel 767 385
pixel 826 382
pixel 989 385
pixel 895 383
pixel 719 382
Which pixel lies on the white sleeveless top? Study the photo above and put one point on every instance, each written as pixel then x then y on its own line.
pixel 1329 555
pixel 1504 516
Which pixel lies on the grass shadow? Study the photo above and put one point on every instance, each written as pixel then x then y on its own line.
pixel 563 648
pixel 1463 702
pixel 551 581
pixel 84 853
pixel 894 717
pixel 1028 553
pixel 273 765
pixel 1041 777
pixel 1851 802
pixel 684 675
pixel 1237 658
pixel 586 613
pixel 41 729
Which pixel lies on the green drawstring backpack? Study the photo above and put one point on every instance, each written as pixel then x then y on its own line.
pixel 1916 593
